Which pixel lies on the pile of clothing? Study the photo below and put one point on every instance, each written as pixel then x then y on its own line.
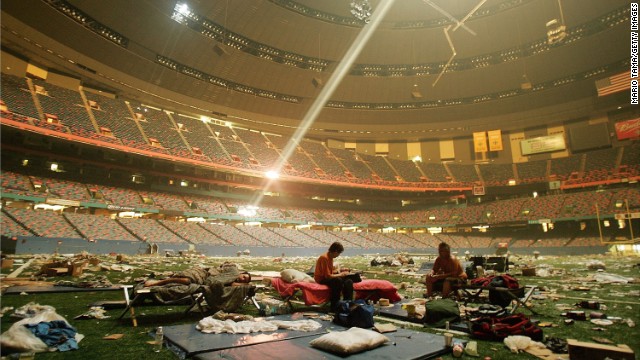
pixel 41 330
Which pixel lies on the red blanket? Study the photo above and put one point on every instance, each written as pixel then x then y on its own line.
pixel 315 294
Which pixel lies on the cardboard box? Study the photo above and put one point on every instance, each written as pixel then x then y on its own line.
pixel 7 263
pixel 529 272
pixel 56 271
pixel 579 350
pixel 76 268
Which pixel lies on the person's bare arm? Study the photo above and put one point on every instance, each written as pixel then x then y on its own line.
pixel 339 274
pixel 171 280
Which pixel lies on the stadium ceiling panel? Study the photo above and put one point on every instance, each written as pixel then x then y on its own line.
pixel 458 65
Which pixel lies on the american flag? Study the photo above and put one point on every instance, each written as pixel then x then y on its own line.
pixel 614 84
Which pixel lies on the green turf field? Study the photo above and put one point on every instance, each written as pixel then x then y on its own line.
pixel 567 275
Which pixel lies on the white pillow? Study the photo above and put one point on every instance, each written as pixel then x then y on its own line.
pixel 351 341
pixel 293 276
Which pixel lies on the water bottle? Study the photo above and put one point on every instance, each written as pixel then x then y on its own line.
pixel 159 339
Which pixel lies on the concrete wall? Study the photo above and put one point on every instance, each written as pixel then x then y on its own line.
pixel 39 245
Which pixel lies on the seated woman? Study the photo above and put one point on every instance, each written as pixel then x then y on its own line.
pixel 225 288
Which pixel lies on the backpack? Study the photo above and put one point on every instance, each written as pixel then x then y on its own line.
pixel 439 311
pixel 488 328
pixel 354 313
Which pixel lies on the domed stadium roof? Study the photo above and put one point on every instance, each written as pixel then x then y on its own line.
pixel 403 70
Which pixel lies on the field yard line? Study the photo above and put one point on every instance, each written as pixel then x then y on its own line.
pixel 600 299
pixel 396 321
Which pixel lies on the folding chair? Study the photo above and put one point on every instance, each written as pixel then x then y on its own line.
pixel 499 296
pixel 141 297
pixel 523 300
pixel 147 296
pixel 251 295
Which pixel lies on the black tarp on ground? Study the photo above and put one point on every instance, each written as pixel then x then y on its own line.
pixel 403 344
pixel 397 312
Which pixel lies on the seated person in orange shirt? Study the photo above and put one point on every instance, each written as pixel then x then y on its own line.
pixel 446 272
pixel 325 274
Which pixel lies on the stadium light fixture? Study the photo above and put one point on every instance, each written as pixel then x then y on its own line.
pixel 271 174
pixel 248 211
pixel 434 230
pixel 181 13
pixel 556 29
pixel 49 207
pixel 361 10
